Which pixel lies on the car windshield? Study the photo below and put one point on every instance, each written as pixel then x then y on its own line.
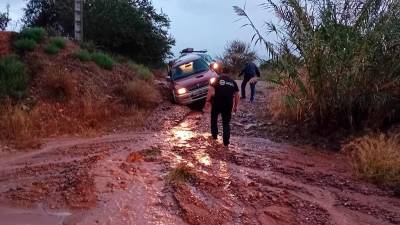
pixel 188 69
pixel 207 58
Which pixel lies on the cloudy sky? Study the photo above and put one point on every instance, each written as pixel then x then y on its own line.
pixel 202 24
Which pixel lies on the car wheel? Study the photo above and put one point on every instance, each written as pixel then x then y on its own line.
pixel 173 98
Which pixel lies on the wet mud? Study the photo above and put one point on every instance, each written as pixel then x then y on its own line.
pixel 126 179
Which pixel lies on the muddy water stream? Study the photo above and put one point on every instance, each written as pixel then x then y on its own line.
pixel 124 179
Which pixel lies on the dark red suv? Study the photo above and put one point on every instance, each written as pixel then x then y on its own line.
pixel 189 78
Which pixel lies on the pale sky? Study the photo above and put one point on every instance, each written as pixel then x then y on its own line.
pixel 201 24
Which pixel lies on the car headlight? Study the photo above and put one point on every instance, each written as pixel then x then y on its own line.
pixel 212 80
pixel 182 91
pixel 215 66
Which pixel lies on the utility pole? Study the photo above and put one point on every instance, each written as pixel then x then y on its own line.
pixel 79 20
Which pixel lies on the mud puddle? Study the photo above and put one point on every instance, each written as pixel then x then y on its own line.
pixel 173 173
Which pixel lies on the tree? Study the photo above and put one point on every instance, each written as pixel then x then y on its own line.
pixel 129 27
pixel 57 17
pixel 236 55
pixel 5 18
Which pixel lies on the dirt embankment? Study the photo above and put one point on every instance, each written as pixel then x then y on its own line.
pixel 6 39
pixel 131 178
pixel 69 97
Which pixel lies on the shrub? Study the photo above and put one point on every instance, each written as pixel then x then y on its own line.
pixel 90 46
pixel 236 55
pixel 59 86
pixel 82 55
pixel 36 34
pixel 24 45
pixel 51 49
pixel 151 154
pixel 58 42
pixel 142 72
pixel 351 74
pixel 141 93
pixel 377 158
pixel 103 60
pixel 13 76
pixel 16 124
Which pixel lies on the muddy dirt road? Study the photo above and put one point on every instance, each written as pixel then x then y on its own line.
pixel 126 179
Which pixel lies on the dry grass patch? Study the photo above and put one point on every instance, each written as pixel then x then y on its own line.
pixel 151 154
pixel 141 93
pixel 282 105
pixel 181 174
pixel 59 85
pixel 377 158
pixel 18 126
pixel 93 111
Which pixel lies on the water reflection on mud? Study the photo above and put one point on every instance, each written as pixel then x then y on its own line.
pixel 202 157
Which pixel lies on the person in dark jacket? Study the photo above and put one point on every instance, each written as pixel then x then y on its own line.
pixel 250 72
pixel 223 97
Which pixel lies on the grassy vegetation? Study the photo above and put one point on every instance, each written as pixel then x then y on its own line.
pixel 25 45
pixel 58 42
pixel 141 93
pixel 151 154
pixel 51 49
pixel 142 72
pixel 181 174
pixel 103 60
pixel 36 34
pixel 82 55
pixel 338 70
pixel 377 158
pixel 55 45
pixel 16 124
pixel 13 77
pixel 89 46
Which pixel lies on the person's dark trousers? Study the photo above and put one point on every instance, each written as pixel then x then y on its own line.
pixel 253 91
pixel 243 88
pixel 226 115
pixel 252 87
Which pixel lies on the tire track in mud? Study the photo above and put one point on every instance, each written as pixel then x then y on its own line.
pixel 123 179
pixel 272 183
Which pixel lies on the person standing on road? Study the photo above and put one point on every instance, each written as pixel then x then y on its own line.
pixel 250 72
pixel 223 98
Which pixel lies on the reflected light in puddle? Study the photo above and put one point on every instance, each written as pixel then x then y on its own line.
pixel 224 173
pixel 203 158
pixel 183 133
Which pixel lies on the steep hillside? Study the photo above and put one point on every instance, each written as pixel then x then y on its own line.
pixel 68 96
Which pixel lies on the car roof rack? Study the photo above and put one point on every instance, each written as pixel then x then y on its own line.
pixel 191 50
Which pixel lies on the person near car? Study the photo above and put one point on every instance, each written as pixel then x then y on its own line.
pixel 250 73
pixel 223 98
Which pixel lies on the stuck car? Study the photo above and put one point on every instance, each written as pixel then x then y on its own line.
pixel 189 78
